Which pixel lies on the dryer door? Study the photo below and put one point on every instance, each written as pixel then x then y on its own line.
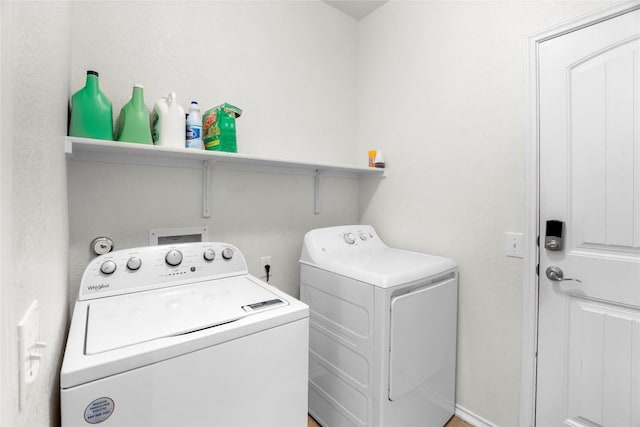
pixel 422 337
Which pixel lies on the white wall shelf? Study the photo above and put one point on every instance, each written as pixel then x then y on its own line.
pixel 143 154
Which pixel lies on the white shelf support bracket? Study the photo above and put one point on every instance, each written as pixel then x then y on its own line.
pixel 316 192
pixel 206 190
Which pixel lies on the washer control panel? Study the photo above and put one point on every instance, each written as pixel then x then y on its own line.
pixel 152 267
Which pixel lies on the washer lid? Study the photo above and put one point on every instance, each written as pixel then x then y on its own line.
pixel 134 318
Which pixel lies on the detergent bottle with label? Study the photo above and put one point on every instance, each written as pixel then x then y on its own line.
pixel 91 111
pixel 194 127
pixel 133 123
pixel 168 122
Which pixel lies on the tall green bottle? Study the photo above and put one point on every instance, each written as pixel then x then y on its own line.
pixel 133 124
pixel 91 112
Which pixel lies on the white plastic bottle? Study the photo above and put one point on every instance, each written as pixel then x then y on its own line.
pixel 379 161
pixel 194 127
pixel 168 122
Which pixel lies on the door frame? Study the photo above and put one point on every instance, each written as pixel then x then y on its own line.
pixel 528 367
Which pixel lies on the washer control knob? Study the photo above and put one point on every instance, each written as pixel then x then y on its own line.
pixel 209 255
pixel 134 263
pixel 349 238
pixel 227 253
pixel 363 236
pixel 108 267
pixel 173 257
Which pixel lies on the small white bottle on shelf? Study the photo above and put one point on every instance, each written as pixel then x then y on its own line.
pixel 194 127
pixel 379 160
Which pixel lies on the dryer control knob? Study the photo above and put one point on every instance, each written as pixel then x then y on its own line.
pixel 134 263
pixel 363 236
pixel 227 253
pixel 349 238
pixel 209 255
pixel 173 257
pixel 108 267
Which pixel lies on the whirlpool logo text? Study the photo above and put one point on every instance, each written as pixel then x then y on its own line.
pixel 97 287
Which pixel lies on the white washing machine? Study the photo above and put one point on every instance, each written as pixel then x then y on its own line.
pixel 183 336
pixel 382 340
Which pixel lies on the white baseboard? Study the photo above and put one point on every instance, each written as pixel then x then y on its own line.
pixel 471 418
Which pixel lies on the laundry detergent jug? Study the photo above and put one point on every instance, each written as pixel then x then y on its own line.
pixel 168 122
pixel 133 123
pixel 91 111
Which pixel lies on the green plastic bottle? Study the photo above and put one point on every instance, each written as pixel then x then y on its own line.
pixel 133 124
pixel 91 112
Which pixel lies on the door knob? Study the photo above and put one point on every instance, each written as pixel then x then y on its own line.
pixel 555 274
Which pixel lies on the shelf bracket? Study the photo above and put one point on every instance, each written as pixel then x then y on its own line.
pixel 206 191
pixel 316 192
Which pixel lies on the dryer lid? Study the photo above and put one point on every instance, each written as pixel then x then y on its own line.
pixel 383 267
pixel 131 319
pixel 357 252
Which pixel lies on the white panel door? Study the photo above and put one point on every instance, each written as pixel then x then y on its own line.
pixel 589 332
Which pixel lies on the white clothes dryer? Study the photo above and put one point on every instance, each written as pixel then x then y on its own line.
pixel 382 348
pixel 183 336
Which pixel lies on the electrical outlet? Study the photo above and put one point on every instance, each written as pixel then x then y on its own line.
pixel 513 247
pixel 265 260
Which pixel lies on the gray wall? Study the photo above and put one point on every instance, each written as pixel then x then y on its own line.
pixel 33 198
